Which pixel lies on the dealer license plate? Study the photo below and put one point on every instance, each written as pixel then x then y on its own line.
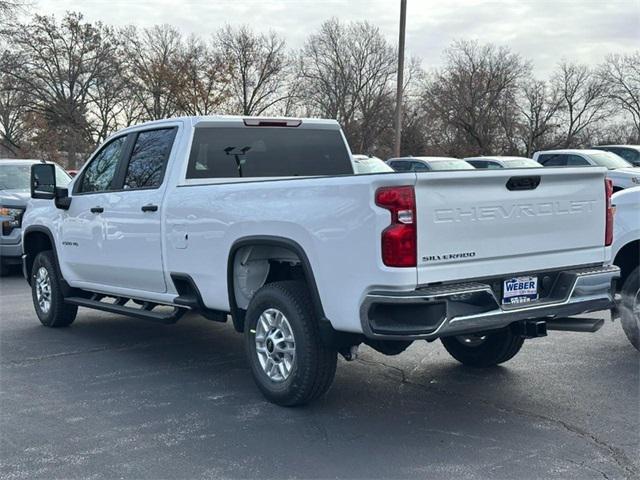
pixel 519 290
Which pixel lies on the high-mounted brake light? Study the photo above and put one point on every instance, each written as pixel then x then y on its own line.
pixel 399 242
pixel 271 122
pixel 609 211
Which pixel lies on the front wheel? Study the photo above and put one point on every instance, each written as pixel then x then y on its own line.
pixel 630 307
pixel 47 293
pixel 289 362
pixel 484 349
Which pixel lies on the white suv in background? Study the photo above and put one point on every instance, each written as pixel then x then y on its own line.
pixel 622 173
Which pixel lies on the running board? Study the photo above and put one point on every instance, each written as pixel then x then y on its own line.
pixel 143 313
pixel 575 324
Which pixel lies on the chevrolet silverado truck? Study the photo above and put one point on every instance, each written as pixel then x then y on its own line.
pixel 263 222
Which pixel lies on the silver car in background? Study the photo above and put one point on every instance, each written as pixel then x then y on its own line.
pixel 425 164
pixel 502 162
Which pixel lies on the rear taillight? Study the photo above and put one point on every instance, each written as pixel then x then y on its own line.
pixel 609 210
pixel 399 238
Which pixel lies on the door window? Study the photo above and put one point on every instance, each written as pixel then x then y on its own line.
pixel 479 163
pixel 148 158
pixel 628 154
pixel 401 166
pixel 555 160
pixel 576 161
pixel 418 167
pixel 99 174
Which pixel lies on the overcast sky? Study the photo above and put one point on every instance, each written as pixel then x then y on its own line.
pixel 544 31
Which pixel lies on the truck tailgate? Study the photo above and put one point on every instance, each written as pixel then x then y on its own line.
pixel 472 225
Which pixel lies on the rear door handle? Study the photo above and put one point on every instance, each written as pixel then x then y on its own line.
pixel 97 210
pixel 149 208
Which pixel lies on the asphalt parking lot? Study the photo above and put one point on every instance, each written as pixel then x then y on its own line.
pixel 112 397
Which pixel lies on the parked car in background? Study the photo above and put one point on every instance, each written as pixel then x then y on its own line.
pixel 263 221
pixel 622 173
pixel 14 194
pixel 625 252
pixel 631 153
pixel 422 164
pixel 368 164
pixel 502 162
pixel 72 173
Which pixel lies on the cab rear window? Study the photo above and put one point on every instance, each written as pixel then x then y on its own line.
pixel 267 152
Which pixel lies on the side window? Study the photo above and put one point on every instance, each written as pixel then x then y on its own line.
pixel 576 161
pixel 557 160
pixel 418 167
pixel 493 165
pixel 628 155
pixel 149 158
pixel 479 163
pixel 401 166
pixel 98 175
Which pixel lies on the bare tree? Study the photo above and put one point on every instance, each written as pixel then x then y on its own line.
pixel 56 67
pixel 538 109
pixel 584 101
pixel 204 86
pixel 258 69
pixel 347 72
pixel 154 64
pixel 472 92
pixel 13 109
pixel 10 9
pixel 621 77
pixel 110 95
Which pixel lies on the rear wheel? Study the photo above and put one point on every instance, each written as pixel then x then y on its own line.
pixel 47 293
pixel 484 349
pixel 289 362
pixel 630 307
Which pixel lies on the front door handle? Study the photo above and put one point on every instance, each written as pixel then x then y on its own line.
pixel 97 210
pixel 149 208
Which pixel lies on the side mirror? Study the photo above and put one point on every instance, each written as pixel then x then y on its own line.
pixel 43 185
pixel 43 181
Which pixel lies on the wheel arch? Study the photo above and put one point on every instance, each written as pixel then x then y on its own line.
pixel 36 239
pixel 627 258
pixel 287 244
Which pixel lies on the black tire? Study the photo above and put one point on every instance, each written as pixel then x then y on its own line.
pixel 59 313
pixel 498 346
pixel 314 366
pixel 4 269
pixel 629 307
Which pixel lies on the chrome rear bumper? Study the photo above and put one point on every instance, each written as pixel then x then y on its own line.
pixel 444 310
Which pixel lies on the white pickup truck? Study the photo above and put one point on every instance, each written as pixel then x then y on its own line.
pixel 263 221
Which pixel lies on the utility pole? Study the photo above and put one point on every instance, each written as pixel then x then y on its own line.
pixel 403 24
